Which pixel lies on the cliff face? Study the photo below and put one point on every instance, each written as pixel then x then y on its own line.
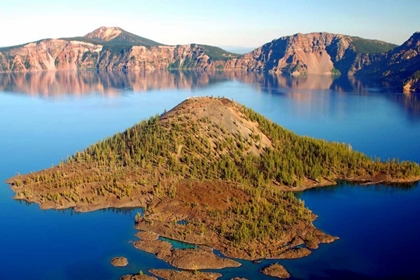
pixel 108 49
pixel 49 55
pixel 72 55
pixel 154 58
pixel 116 49
pixel 313 53
pixel 400 65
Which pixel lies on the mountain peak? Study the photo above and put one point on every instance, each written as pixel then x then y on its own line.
pixel 118 36
pixel 415 36
pixel 105 33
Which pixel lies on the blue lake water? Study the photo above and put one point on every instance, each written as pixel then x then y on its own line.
pixel 47 116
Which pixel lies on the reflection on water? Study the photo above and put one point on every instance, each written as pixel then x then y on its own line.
pixel 56 83
pixel 52 83
pixel 374 223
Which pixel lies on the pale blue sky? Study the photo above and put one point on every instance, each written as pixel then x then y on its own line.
pixel 213 22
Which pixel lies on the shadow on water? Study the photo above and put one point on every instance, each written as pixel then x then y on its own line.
pixel 401 187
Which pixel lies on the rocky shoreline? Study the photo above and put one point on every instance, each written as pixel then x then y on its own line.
pixel 188 259
pixel 221 183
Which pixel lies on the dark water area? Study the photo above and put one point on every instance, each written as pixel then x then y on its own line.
pixel 48 116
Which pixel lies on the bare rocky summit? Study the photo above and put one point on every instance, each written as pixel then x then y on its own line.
pixel 105 33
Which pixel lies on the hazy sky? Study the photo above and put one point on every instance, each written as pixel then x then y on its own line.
pixel 214 22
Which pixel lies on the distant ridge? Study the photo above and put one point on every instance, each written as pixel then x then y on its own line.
pixel 114 49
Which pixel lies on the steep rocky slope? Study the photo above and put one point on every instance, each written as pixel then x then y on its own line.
pixel 313 53
pixel 401 64
pixel 116 49
pixel 300 54
pixel 108 49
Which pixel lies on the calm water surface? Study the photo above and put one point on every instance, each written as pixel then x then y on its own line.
pixel 47 116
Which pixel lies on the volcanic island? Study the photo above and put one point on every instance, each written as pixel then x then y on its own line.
pixel 212 173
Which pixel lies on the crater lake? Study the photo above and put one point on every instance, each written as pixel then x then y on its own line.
pixel 48 116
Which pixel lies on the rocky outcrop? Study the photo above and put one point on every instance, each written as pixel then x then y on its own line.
pixel 119 261
pixel 313 53
pixel 147 235
pixel 181 275
pixel 412 83
pixel 49 55
pixel 276 270
pixel 295 253
pixel 137 277
pixel 400 66
pixel 191 259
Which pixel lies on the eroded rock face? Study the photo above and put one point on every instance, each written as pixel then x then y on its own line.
pixel 77 55
pixel 51 54
pixel 400 65
pixel 313 53
pixel 119 261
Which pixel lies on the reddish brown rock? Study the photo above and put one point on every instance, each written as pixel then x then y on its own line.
pixel 119 261
pixel 295 253
pixel 182 275
pixel 137 277
pixel 276 270
pixel 147 235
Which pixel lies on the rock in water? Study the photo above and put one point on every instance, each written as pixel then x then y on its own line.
pixel 276 270
pixel 119 261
